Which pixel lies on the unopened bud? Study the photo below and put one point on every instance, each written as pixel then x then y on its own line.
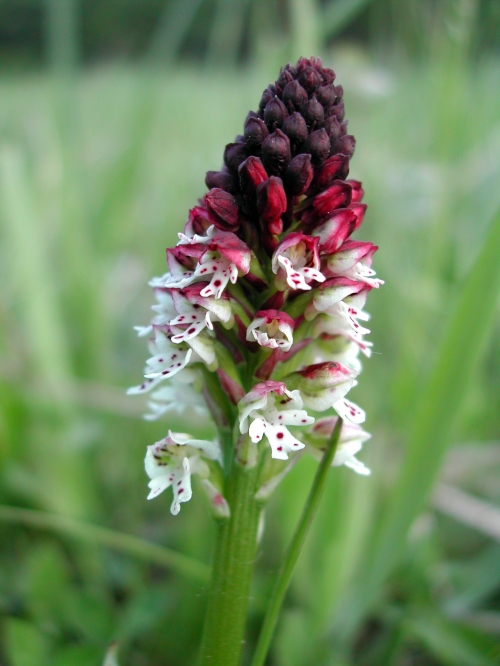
pixel 271 201
pixel 255 132
pixel 298 174
pixel 318 144
pixel 284 78
pixel 338 111
pixel 220 179
pixel 275 113
pixel 310 79
pixel 326 95
pixel 276 152
pixel 346 144
pixel 222 209
pixel 294 95
pixel 338 195
pixel 357 190
pixel 251 174
pixel 295 128
pixel 267 96
pixel 322 384
pixel 335 167
pixel 359 210
pixel 333 128
pixel 313 112
pixel 235 154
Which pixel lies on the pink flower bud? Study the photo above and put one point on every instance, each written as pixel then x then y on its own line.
pixel 335 168
pixel 251 174
pixel 338 195
pixel 222 209
pixel 357 190
pixel 272 203
pixel 335 230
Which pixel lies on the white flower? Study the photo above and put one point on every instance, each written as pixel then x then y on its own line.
pixel 171 461
pixel 178 396
pixel 273 329
pixel 352 438
pixel 270 408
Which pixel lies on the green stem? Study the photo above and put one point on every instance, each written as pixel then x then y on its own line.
pixel 126 543
pixel 232 571
pixel 288 566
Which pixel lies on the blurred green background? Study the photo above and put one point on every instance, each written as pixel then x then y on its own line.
pixel 110 114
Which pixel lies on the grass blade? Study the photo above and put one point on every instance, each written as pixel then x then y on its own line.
pixel 287 568
pixel 103 536
pixel 436 411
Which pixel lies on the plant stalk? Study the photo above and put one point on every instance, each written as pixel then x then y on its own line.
pixel 234 556
pixel 292 555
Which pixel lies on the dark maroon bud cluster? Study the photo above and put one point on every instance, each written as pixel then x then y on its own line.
pixel 291 161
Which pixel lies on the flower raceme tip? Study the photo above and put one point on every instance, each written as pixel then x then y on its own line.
pixel 262 306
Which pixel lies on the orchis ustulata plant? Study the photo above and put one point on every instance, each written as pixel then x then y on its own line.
pixel 260 323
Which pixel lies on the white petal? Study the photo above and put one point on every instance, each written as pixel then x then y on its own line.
pixel 349 411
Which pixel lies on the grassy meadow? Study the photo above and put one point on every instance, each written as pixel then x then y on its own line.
pixel 97 173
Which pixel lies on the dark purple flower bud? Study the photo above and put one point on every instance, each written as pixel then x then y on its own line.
pixel 310 79
pixel 276 152
pixel 295 128
pixel 255 132
pixel 294 95
pixel 333 128
pixel 318 144
pixel 326 95
pixel 267 96
pixel 346 144
pixel 312 112
pixel 338 111
pixel 235 154
pixel 274 113
pixel 298 175
pixel 272 203
pixel 336 167
pixel 284 78
pixel 328 75
pixel 251 174
pixel 223 209
pixel 339 93
pixel 220 179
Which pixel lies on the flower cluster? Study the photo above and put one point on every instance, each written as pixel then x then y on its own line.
pixel 265 292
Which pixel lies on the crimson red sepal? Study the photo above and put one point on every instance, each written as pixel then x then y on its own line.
pixel 338 195
pixel 223 209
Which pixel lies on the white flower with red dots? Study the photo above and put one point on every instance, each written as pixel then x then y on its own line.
pixel 171 461
pixel 267 410
pixel 296 261
pixel 273 329
pixel 351 440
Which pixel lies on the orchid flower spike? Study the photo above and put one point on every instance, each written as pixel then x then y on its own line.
pixel 261 311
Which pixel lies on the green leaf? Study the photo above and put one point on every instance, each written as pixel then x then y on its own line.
pixel 339 13
pixel 436 410
pixel 25 645
pixel 448 642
